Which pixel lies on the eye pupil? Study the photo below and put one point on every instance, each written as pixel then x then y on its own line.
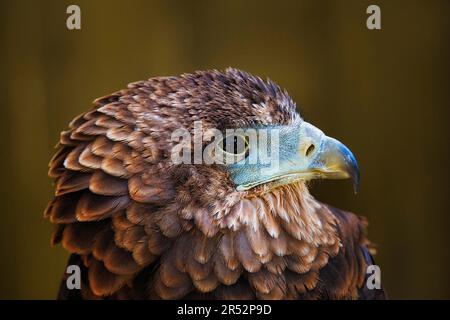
pixel 235 144
pixel 310 150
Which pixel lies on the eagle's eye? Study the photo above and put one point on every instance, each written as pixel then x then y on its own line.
pixel 236 145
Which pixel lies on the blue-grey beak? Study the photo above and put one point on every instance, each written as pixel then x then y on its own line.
pixel 333 160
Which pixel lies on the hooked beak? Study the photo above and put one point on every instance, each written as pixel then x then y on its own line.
pixel 318 157
pixel 334 160
pixel 305 153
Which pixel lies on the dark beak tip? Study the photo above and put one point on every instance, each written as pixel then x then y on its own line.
pixel 353 170
pixel 355 180
pixel 355 187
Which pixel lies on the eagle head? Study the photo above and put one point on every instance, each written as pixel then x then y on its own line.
pixel 245 137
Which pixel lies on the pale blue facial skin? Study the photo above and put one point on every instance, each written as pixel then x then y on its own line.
pixel 301 152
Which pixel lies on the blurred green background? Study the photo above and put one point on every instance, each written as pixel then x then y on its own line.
pixel 385 93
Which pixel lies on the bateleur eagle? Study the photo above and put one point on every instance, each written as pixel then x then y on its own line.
pixel 141 226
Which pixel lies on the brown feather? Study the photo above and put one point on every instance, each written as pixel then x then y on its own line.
pixel 118 133
pixel 205 223
pixel 267 218
pixel 279 245
pixel 94 207
pixel 71 181
pixel 101 242
pixel 65 140
pixel 72 160
pixel 91 128
pixel 224 274
pixel 258 239
pixel 132 236
pixel 89 159
pixel 114 167
pixel 181 249
pixel 57 234
pixel 63 208
pixel 158 243
pixel 141 192
pixel 104 184
pixel 107 122
pixel 102 147
pixel 208 284
pixel 245 254
pixel 169 223
pixel 170 276
pixel 141 254
pixel 277 265
pixel 80 136
pixel 226 247
pixel 79 238
pixel 238 291
pixel 197 271
pixel 203 247
pixel 120 221
pixel 103 282
pixel 137 212
pixel 56 165
pixel 119 261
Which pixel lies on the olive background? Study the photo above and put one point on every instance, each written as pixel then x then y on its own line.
pixel 384 93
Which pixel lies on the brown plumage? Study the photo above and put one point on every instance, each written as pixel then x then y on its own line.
pixel 143 228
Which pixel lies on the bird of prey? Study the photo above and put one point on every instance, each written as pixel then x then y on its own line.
pixel 140 226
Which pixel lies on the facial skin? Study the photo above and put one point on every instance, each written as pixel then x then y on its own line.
pixel 294 152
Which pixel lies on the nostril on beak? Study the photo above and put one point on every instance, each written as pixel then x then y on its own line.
pixel 310 150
